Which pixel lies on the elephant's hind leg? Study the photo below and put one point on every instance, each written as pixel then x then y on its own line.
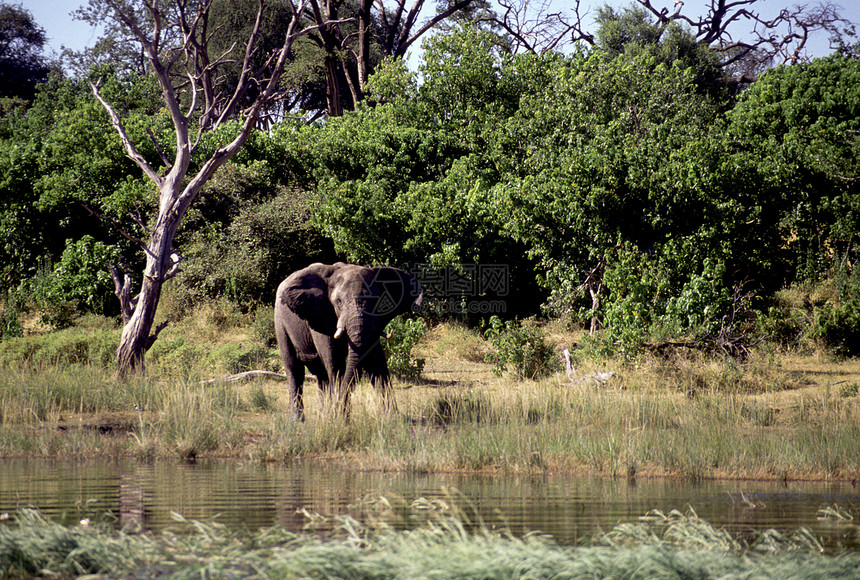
pixel 295 371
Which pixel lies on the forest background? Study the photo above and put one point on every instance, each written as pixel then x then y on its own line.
pixel 648 183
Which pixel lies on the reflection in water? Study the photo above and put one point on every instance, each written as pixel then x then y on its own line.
pixel 253 496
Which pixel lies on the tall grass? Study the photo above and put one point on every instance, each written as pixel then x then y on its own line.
pixel 556 427
pixel 548 426
pixel 83 411
pixel 673 545
pixel 688 416
pixel 44 391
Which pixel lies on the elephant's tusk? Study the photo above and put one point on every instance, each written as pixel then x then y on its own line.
pixel 338 333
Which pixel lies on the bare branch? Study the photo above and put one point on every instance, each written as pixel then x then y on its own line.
pixel 783 38
pixel 151 340
pixel 537 30
pixel 117 225
pixel 130 150
pixel 122 289
pixel 159 149
pixel 175 260
pixel 246 375
pixel 430 24
pixel 242 85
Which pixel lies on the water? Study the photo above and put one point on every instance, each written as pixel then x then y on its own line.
pixel 252 496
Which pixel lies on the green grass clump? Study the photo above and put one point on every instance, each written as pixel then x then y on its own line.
pixel 38 394
pixel 673 545
pixel 82 345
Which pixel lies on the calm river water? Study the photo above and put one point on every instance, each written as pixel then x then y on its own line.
pixel 253 495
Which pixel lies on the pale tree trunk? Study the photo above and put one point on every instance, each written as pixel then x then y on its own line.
pixel 176 189
pixel 136 339
pixel 363 44
pixel 139 314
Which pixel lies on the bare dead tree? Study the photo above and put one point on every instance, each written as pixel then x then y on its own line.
pixel 400 26
pixel 187 75
pixel 534 27
pixel 346 31
pixel 750 42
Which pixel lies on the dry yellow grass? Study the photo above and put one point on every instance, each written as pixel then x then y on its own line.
pixel 685 415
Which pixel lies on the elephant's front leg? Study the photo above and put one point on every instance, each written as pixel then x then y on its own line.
pixel 295 373
pixel 295 382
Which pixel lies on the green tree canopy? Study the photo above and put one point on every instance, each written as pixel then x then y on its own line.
pixel 617 180
pixel 799 127
pixel 22 65
pixel 61 156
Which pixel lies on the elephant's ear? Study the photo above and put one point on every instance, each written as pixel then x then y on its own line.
pixel 399 291
pixel 306 294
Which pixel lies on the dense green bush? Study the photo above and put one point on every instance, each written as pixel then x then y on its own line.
pixel 631 166
pixel 177 356
pixel 60 156
pixel 546 164
pixel 796 130
pixel 239 358
pixel 243 249
pixel 10 323
pixel 522 347
pixel 81 282
pixel 400 337
pixel 263 326
pixel 838 327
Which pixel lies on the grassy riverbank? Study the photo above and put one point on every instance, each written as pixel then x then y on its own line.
pixel 673 545
pixel 776 415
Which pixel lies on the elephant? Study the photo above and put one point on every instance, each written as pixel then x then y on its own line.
pixel 329 318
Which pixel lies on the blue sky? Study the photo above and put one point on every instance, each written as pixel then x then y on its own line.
pixel 62 30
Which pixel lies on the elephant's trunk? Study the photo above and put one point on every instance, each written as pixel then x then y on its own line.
pixel 349 378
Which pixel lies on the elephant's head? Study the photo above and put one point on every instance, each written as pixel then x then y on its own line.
pixel 353 303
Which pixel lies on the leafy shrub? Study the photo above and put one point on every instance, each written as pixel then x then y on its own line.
pixel 455 340
pixel 246 258
pixel 789 317
pixel 522 347
pixel 81 282
pixel 404 334
pixel 239 358
pixel 10 325
pixel 838 327
pixel 263 327
pixel 849 390
pixel 701 302
pixel 175 356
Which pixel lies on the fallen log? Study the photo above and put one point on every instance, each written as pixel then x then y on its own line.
pixel 244 376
